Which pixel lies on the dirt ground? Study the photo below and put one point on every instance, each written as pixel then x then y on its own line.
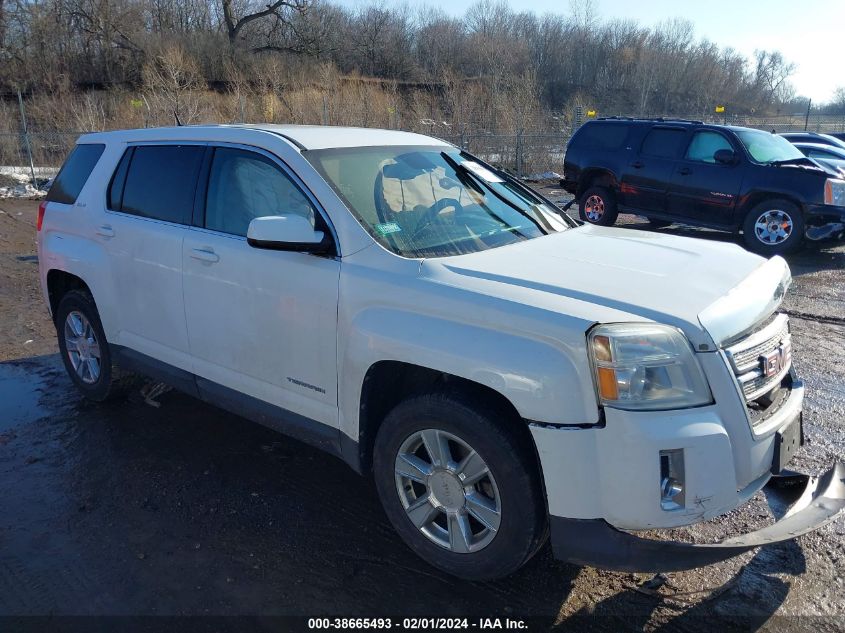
pixel 127 509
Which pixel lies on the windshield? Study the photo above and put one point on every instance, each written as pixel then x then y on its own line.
pixel 433 201
pixel 765 147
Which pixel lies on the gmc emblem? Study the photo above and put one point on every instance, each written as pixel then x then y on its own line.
pixel 773 362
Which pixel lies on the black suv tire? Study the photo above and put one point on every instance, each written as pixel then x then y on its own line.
pixel 514 484
pixel 107 381
pixel 764 223
pixel 598 206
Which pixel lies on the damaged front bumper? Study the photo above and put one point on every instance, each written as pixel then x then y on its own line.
pixel 825 222
pixel 596 543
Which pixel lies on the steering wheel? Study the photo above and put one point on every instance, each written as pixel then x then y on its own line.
pixel 433 211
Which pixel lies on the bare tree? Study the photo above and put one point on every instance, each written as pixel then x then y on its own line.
pixel 172 81
pixel 281 10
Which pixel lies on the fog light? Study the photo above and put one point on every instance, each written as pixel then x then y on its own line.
pixel 672 479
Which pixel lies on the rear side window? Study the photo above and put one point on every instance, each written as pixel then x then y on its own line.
pixel 160 182
pixel 118 181
pixel 75 172
pixel 664 142
pixel 603 135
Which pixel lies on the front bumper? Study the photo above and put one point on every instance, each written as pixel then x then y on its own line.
pixel 824 222
pixel 596 543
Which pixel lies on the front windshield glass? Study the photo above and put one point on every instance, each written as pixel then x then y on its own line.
pixel 433 201
pixel 765 147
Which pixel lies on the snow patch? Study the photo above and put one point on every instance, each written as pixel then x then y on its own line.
pixel 22 190
pixel 545 175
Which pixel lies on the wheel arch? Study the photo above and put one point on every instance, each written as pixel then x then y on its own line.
pixel 389 382
pixel 597 176
pixel 59 283
pixel 756 197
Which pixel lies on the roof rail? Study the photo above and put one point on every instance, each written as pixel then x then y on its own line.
pixel 673 120
pixel 657 119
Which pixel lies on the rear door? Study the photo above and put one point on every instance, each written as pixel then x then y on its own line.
pixel 646 179
pixel 702 189
pixel 150 201
pixel 260 322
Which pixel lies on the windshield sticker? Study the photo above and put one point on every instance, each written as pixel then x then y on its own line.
pixel 387 228
pixel 481 171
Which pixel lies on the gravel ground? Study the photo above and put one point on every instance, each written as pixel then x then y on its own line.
pixel 127 509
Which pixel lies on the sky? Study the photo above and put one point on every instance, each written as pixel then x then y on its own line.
pixel 810 34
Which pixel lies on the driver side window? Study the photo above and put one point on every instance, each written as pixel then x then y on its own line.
pixel 243 185
pixel 704 146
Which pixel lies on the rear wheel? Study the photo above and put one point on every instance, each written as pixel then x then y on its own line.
pixel 773 227
pixel 460 485
pixel 598 206
pixel 85 351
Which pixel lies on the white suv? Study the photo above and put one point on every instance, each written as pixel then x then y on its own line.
pixel 502 372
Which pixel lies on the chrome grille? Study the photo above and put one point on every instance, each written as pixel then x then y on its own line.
pixel 763 358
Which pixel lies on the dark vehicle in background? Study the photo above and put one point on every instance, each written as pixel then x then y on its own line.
pixel 827 155
pixel 813 137
pixel 728 178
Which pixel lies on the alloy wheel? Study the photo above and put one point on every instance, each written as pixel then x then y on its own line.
pixel 83 348
pixel 448 491
pixel 594 208
pixel 773 227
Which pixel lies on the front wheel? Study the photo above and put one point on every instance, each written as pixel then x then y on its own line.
pixel 460 485
pixel 773 227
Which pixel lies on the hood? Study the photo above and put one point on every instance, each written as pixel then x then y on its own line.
pixel 663 278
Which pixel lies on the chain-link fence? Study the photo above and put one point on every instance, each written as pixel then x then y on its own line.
pixel 526 154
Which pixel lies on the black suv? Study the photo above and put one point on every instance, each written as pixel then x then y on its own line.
pixel 722 177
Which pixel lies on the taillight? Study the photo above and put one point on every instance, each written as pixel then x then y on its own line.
pixel 41 208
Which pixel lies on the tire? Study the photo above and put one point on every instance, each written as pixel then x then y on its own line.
pixel 598 206
pixel 77 314
pixel 658 224
pixel 775 214
pixel 512 484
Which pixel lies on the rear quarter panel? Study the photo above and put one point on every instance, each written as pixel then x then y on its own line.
pixel 67 241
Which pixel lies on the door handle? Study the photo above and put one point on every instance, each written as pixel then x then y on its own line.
pixel 637 165
pixel 205 255
pixel 105 230
pixel 685 171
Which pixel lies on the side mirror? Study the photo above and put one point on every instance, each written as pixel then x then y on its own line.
pixel 286 233
pixel 725 156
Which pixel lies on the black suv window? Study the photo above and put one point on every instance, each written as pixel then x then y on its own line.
pixel 664 142
pixel 160 182
pixel 244 185
pixel 704 146
pixel 74 173
pixel 603 135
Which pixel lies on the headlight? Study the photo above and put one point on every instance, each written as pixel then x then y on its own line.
pixel 646 366
pixel 834 192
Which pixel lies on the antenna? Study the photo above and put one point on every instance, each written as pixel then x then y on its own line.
pixel 176 115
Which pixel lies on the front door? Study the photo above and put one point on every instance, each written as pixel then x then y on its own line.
pixel 702 189
pixel 260 322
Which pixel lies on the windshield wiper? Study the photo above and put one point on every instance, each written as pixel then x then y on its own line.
pixel 464 173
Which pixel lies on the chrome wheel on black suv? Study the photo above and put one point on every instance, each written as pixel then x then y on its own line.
pixel 459 482
pixel 773 227
pixel 598 206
